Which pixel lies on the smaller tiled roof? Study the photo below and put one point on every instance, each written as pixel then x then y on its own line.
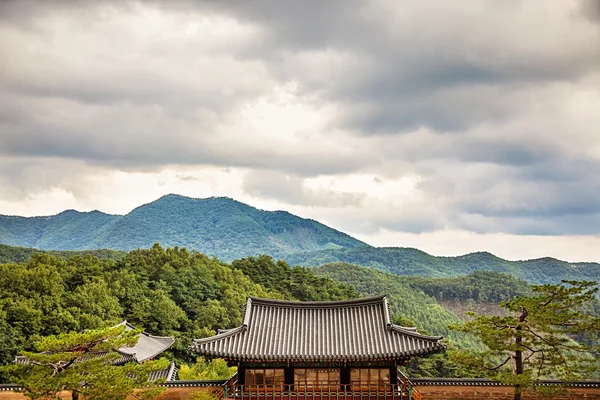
pixel 147 347
pixel 349 330
pixel 169 374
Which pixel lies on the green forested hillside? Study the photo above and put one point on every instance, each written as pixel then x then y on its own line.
pixel 69 230
pixel 478 287
pixel 219 227
pixel 407 261
pixel 166 291
pixel 188 295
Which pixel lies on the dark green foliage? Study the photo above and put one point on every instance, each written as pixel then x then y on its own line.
pixel 406 261
pixel 294 283
pixel 219 227
pixel 535 339
pixel 10 254
pixel 165 291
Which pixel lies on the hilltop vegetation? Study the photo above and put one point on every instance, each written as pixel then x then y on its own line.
pixel 479 287
pixel 21 254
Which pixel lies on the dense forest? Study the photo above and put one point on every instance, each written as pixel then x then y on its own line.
pixel 186 294
pixel 21 254
pixel 165 291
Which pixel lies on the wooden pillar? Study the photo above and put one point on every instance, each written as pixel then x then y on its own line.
pixel 344 378
pixel 288 377
pixel 394 374
pixel 241 374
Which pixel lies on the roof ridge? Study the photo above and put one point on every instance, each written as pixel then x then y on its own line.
pixel 171 372
pixel 308 304
pixel 413 332
pixel 158 337
pixel 220 335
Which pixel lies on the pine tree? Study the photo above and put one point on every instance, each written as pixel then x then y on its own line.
pixel 553 333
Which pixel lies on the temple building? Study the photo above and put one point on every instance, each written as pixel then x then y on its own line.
pixel 314 346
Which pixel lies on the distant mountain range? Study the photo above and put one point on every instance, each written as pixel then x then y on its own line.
pixel 217 226
pixel 229 230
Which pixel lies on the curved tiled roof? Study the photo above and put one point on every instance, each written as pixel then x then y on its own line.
pixel 169 374
pixel 148 346
pixel 349 330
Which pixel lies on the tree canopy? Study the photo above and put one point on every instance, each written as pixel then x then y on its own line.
pixel 185 294
pixel 168 292
pixel 536 339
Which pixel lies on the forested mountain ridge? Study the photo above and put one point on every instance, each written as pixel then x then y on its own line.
pixel 216 226
pixel 408 261
pixel 229 230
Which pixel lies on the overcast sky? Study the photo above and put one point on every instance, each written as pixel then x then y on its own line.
pixel 448 126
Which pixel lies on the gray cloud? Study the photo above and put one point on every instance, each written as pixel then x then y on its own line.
pixel 293 190
pixel 590 9
pixel 484 103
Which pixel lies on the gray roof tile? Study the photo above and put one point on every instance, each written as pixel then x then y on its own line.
pixel 169 374
pixel 350 330
pixel 148 346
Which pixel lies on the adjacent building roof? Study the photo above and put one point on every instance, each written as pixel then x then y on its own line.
pixel 350 330
pixel 169 374
pixel 148 346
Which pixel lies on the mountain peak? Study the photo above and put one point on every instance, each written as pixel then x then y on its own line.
pixel 217 226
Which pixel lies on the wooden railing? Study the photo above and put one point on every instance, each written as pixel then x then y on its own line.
pixel 321 392
pixel 409 387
